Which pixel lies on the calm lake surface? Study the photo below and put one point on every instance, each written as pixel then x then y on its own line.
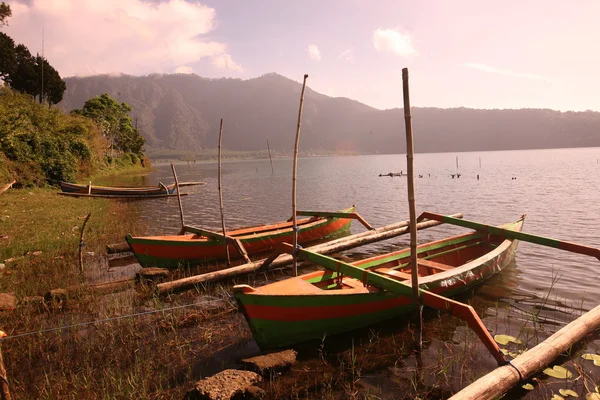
pixel 557 189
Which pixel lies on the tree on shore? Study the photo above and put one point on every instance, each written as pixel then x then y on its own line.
pixel 115 123
pixel 5 13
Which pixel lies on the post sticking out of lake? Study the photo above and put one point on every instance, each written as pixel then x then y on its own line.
pixel 221 195
pixel 410 150
pixel 294 222
pixel 178 197
pixel 270 159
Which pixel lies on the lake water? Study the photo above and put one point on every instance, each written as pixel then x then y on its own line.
pixel 557 189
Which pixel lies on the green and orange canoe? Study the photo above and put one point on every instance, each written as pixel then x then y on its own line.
pixel 325 303
pixel 192 249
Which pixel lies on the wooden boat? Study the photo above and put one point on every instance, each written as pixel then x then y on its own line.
pixel 117 190
pixel 189 249
pixel 326 303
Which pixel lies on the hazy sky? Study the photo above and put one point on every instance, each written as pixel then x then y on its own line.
pixel 482 54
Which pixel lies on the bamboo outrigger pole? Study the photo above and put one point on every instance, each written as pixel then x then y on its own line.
pixel 411 207
pixel 295 226
pixel 221 196
pixel 270 159
pixel 178 198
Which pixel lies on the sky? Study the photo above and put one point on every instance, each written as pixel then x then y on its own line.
pixel 463 53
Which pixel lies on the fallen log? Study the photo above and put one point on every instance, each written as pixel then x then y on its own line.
pixel 345 243
pixel 502 379
pixel 6 187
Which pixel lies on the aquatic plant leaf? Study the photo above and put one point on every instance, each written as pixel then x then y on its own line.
pixel 506 339
pixel 557 397
pixel 568 392
pixel 589 356
pixel 527 386
pixel 592 396
pixel 558 372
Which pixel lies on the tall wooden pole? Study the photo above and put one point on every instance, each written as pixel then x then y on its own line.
pixel 221 196
pixel 295 226
pixel 4 390
pixel 270 159
pixel 411 206
pixel 178 196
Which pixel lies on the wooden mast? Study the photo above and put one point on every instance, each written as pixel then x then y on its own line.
pixel 411 206
pixel 225 243
pixel 295 226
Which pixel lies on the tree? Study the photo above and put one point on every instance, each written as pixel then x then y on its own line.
pixel 8 63
pixel 25 76
pixel 52 87
pixel 5 13
pixel 115 123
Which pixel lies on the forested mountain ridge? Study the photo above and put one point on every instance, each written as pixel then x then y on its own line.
pixel 183 111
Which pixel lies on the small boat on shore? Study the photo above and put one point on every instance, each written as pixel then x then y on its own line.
pixel 203 245
pixel 67 187
pixel 326 302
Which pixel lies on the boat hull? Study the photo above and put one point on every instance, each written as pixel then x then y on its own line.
pixel 116 191
pixel 180 250
pixel 283 320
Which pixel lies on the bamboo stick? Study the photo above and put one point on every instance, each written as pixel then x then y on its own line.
pixel 221 196
pixel 500 380
pixel 410 150
pixel 295 242
pixel 178 195
pixel 4 390
pixel 7 186
pixel 81 243
pixel 270 159
pixel 345 243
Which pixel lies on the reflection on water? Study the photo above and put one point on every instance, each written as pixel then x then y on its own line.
pixel 557 189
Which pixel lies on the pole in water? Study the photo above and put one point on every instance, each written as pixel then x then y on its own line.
pixel 178 197
pixel 270 159
pixel 221 195
pixel 479 161
pixel 410 150
pixel 294 224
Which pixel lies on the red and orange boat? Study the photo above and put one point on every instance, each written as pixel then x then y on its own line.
pixel 190 249
pixel 329 302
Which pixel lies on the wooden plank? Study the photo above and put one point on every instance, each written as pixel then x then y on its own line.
pixel 507 233
pixel 335 214
pixel 205 232
pixel 277 259
pixel 434 265
pixel 240 247
pixel 500 380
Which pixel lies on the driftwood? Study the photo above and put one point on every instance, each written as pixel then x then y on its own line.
pixel 410 155
pixel 6 187
pixel 502 379
pixel 345 243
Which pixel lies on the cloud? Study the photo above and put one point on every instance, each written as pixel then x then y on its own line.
pixel 224 61
pixel 393 41
pixel 84 37
pixel 347 55
pixel 184 69
pixel 314 52
pixel 507 72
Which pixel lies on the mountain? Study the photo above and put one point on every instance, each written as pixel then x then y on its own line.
pixel 183 111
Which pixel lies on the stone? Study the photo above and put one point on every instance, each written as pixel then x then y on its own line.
pixel 7 301
pixel 271 363
pixel 2 266
pixel 224 385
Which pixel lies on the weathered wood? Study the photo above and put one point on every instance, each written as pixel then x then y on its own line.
pixel 117 248
pixel 294 172
pixel 4 390
pixel 81 242
pixel 270 159
pixel 6 187
pixel 345 243
pixel 178 195
pixel 240 248
pixel 89 188
pixel 184 184
pixel 221 195
pixel 336 214
pixel 502 379
pixel 113 196
pixel 410 151
pixel 151 274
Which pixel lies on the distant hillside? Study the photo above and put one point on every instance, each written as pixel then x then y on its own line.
pixel 182 112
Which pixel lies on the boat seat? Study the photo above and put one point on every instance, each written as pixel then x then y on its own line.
pixel 393 273
pixel 434 265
